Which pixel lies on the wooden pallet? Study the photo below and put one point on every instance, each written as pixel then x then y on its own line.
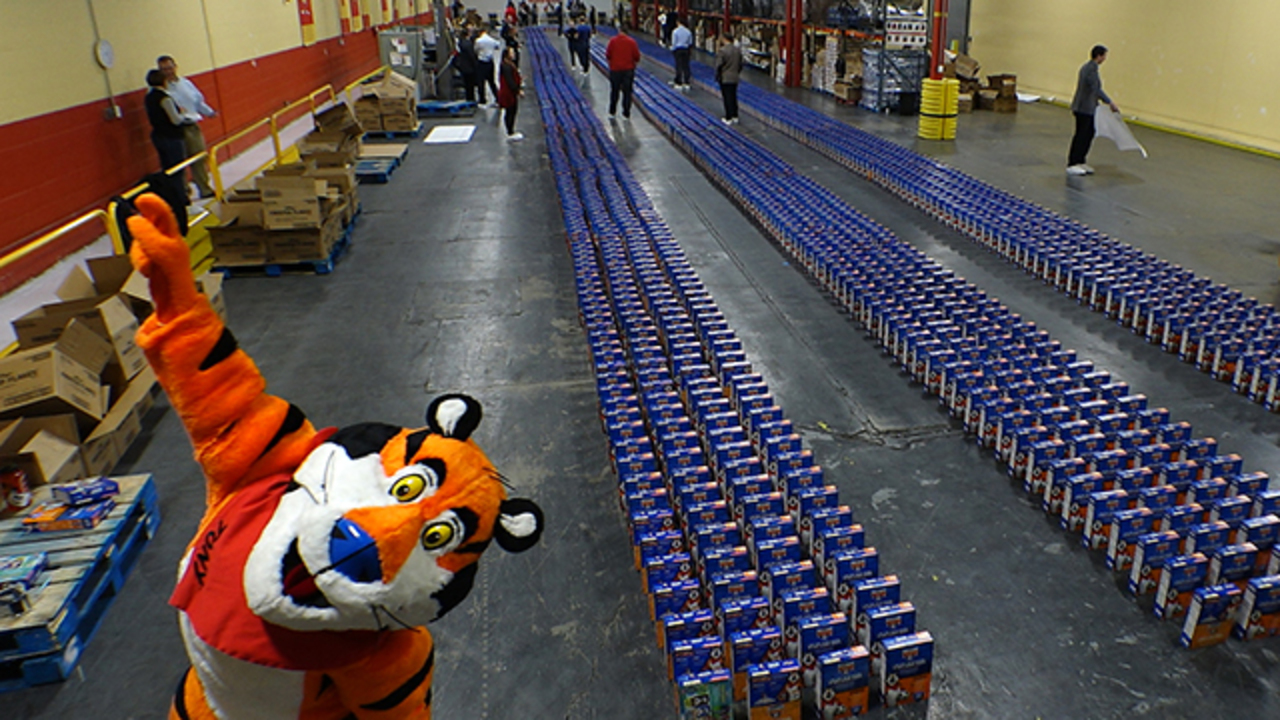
pixel 310 267
pixel 393 134
pixel 87 569
pixel 385 151
pixel 376 171
pixel 454 108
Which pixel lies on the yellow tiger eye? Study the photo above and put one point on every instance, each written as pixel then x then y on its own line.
pixel 437 535
pixel 408 488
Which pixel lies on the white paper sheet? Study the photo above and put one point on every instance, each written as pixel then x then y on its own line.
pixel 442 134
pixel 1110 125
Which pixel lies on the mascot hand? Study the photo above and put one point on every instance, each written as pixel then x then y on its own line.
pixel 161 254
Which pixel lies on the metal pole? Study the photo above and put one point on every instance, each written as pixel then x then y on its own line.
pixel 939 38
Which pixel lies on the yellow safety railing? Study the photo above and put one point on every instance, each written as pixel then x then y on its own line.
pixel 197 234
pixel 216 172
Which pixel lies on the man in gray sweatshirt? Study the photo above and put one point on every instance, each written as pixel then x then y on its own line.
pixel 1083 105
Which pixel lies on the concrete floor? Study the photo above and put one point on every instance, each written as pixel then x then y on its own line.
pixel 458 279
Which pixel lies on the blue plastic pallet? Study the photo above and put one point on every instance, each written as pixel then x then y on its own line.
pixel 87 569
pixel 376 171
pixel 441 108
pixel 392 134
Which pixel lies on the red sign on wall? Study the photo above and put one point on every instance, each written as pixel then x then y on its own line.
pixel 308 20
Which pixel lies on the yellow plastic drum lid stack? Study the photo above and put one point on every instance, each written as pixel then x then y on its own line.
pixel 939 102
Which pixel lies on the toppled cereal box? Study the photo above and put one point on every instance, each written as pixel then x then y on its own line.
pixel 1149 555
pixel 1211 616
pixel 1179 578
pixel 1259 614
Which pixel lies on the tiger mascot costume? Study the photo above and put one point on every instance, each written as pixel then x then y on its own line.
pixel 322 553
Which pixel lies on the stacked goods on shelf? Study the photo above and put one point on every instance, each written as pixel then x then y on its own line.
pixel 751 563
pixel 824 76
pixel 1173 512
pixel 78 384
pixel 295 212
pixel 905 32
pixel 891 78
pixel 389 105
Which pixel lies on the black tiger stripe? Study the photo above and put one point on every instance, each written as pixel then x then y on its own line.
pixel 180 697
pixel 413 443
pixel 399 695
pixel 326 682
pixel 475 547
pixel 293 420
pixel 220 351
pixel 427 701
pixel 470 521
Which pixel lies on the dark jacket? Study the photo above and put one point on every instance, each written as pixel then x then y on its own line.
pixel 1088 90
pixel 728 64
pixel 161 125
pixel 509 81
pixel 466 61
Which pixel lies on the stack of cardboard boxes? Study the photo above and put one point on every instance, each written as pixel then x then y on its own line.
pixel 73 395
pixel 295 212
pixel 965 69
pixel 389 105
pixel 1005 88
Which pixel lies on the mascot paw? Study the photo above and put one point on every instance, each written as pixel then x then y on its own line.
pixel 161 254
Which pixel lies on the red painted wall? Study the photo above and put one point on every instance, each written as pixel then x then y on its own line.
pixel 66 163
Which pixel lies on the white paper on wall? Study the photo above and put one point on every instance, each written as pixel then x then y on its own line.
pixel 1109 124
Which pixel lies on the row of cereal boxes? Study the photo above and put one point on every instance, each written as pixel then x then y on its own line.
pixel 74 392
pixel 1183 520
pixel 759 580
pixel 294 212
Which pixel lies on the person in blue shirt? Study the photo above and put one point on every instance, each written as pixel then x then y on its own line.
pixel 580 45
pixel 682 50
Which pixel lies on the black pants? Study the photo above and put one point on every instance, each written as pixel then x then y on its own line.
pixel 469 85
pixel 584 56
pixel 683 72
pixel 170 149
pixel 1082 140
pixel 621 82
pixel 729 91
pixel 509 117
pixel 485 71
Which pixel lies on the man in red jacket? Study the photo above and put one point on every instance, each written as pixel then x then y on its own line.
pixel 623 55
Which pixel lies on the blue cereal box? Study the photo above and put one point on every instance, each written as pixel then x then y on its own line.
pixel 793 605
pixel 774 690
pixel 845 568
pixel 1266 502
pixel 844 683
pixel 675 629
pixel 1206 538
pixel 699 654
pixel 734 584
pixel 1249 484
pixel 710 512
pixel 870 594
pixel 1100 509
pixel 85 491
pixel 706 537
pixel 753 647
pixel 676 598
pixel 811 499
pixel 793 481
pixel 768 504
pixel 907 670
pixel 820 634
pixel 1181 518
pixel 723 559
pixel 1232 564
pixel 884 622
pixel 1158 498
pixel 1231 510
pixel 706 695
pixel 784 549
pixel 740 614
pixel 1262 532
pixel 642 500
pixel 778 578
pixel 1259 614
pixel 1205 492
pixel 658 543
pixel 821 519
pixel 1179 578
pixel 769 528
pixel 1075 499
pixel 665 569
pixel 1211 616
pixel 1149 555
pixel 831 539
pixel 1126 527
pixel 697 493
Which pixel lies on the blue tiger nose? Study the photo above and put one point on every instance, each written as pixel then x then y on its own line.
pixel 353 552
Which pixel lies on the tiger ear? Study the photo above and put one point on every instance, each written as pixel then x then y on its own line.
pixel 519 525
pixel 454 416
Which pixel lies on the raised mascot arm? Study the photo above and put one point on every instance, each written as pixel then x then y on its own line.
pixel 240 433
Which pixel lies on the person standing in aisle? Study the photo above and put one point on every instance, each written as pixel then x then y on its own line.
pixel 728 70
pixel 623 55
pixel 682 50
pixel 510 92
pixel 487 48
pixel 167 122
pixel 510 15
pixel 582 42
pixel 1083 105
pixel 511 40
pixel 467 63
pixel 192 106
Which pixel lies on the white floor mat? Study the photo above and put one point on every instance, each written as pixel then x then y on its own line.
pixel 443 134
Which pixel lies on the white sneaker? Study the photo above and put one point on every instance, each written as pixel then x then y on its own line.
pixel 726 121
pixel 1077 170
pixel 1088 169
pixel 613 116
pixel 734 121
pixel 515 137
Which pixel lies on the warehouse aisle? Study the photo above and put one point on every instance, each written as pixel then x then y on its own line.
pixel 459 280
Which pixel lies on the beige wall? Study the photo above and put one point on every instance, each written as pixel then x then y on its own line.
pixel 1207 67
pixel 46 46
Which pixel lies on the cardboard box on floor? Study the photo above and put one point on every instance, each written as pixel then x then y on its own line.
pixel 111 438
pixel 292 199
pixel 55 379
pixel 305 244
pixel 111 317
pixel 369 113
pixel 46 448
pixel 337 117
pixel 241 204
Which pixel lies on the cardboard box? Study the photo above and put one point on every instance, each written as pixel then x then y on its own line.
pixel 49 380
pixel 1005 105
pixel 304 244
pixel 243 205
pixel 110 275
pixel 399 122
pixel 369 113
pixel 110 317
pixel 1006 85
pixel 292 201
pixel 964 103
pixel 107 443
pixel 337 117
pixel 343 178
pixel 966 67
pixel 45 448
pixel 987 99
pixel 238 244
pixel 331 148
